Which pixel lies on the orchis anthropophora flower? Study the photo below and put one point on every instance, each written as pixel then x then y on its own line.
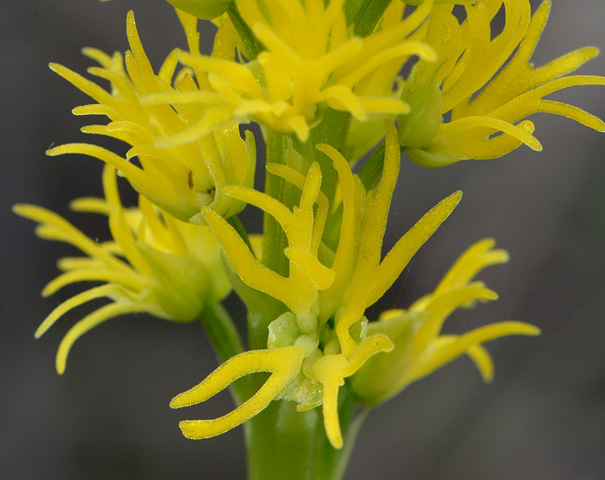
pixel 311 60
pixel 487 98
pixel 155 264
pixel 323 337
pixel 324 80
pixel 419 348
pixel 180 179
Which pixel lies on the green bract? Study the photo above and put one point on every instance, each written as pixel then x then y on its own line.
pixel 418 128
pixel 204 9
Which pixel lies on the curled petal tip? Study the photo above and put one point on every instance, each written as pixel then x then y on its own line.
pixel 453 199
pixel 429 55
pixel 19 208
pixel 191 429
pixel 51 152
pixel 180 401
pixel 490 295
pixel 200 429
pixel 536 147
pixel 60 366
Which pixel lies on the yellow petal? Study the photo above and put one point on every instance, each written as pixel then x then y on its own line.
pixel 445 352
pixel 283 363
pixel 399 256
pixel 73 302
pixel 90 321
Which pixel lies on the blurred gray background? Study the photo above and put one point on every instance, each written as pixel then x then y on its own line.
pixel 107 417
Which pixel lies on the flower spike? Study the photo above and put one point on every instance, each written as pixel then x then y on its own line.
pixel 325 301
pixel 326 81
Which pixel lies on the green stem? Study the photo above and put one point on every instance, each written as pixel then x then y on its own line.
pixel 251 47
pixel 332 130
pixel 371 171
pixel 274 238
pixel 349 442
pixel 281 442
pixel 236 223
pixel 285 443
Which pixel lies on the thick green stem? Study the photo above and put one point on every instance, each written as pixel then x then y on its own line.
pixel 281 442
pixel 274 238
pixel 284 443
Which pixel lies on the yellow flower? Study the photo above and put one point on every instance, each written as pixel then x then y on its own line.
pixel 322 338
pixel 180 179
pixel 486 97
pixel 419 348
pixel 311 61
pixel 155 264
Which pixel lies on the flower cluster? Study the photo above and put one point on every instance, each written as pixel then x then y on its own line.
pixel 154 264
pixel 180 179
pixel 324 336
pixel 325 80
pixel 310 60
pixel 487 86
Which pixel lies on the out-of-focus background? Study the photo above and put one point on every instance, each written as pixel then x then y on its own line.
pixel 108 417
